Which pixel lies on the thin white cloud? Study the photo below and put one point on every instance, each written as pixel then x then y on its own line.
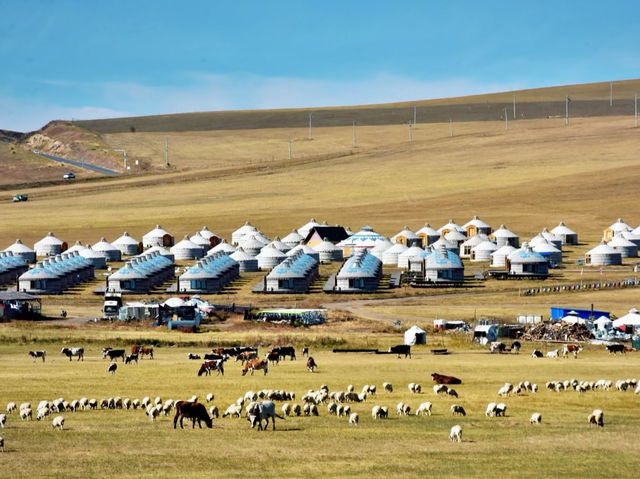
pixel 204 92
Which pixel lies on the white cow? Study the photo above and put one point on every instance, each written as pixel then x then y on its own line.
pixel 456 433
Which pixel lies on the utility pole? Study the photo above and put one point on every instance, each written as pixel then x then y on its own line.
pixel 506 120
pixel 310 135
pixel 410 135
pixel 514 106
pixel 635 111
pixel 414 114
pixel 289 143
pixel 610 93
pixel 166 151
pixel 566 109
pixel 450 127
pixel 353 135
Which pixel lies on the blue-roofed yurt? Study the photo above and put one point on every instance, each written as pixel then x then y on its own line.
pixel 361 272
pixel 11 267
pixel 209 275
pixel 22 250
pixel 547 250
pixel 526 262
pixel 443 266
pixel 294 275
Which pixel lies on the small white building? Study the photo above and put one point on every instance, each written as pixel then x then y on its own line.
pixel 505 236
pixel 415 335
pixel 483 251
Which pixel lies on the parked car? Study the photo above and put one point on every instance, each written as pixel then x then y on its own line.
pixel 20 197
pixel 69 176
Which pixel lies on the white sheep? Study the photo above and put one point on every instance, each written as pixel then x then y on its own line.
pixel 25 405
pixel 505 390
pixel 58 422
pixel 340 410
pixel 491 409
pixel 400 409
pixel 73 405
pixel 26 414
pixel 135 404
pixel 597 417
pixel 296 410
pixel 384 412
pixel 455 434
pixel 415 388
pixel 126 402
pixel 234 410
pixel 501 409
pixel 346 410
pixel 3 420
pixel 440 388
pixel 286 409
pixel 145 401
pixel 536 418
pixel 425 407
pixel 209 397
pixel 1 443
pixel 332 408
pixel 353 419
pixel 93 403
pixel 157 400
pixel 457 409
pixel 350 388
pixel 388 387
pixel 213 412
pixel 552 354
pixel 375 412
pixel 83 403
pixel 11 407
pixel 42 413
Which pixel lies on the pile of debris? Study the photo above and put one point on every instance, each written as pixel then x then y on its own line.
pixel 558 332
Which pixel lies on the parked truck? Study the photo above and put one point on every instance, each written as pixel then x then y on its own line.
pixel 111 306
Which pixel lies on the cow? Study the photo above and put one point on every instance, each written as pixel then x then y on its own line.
pixel 135 348
pixel 536 353
pixel 552 354
pixel 497 347
pixel 214 357
pixel 442 379
pixel 400 349
pixel 131 358
pixel 113 354
pixel 146 352
pixel 246 356
pixel 284 351
pixel 515 347
pixel 112 368
pixel 258 411
pixel 208 366
pixel 193 356
pixel 191 410
pixel 305 352
pixel 254 364
pixel 571 348
pixel 37 354
pixel 273 357
pixel 311 364
pixel 69 352
pixel 615 348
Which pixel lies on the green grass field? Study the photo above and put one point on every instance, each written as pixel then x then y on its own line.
pixel 117 443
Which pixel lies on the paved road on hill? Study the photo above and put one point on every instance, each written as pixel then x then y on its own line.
pixel 79 164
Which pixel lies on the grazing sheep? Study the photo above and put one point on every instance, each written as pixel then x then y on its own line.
pixel 58 422
pixel 353 419
pixel 2 443
pixel 501 409
pixel 153 412
pixel 234 410
pixel 440 388
pixel 209 397
pixel 213 412
pixel 112 368
pixel 415 388
pixel 375 412
pixel 534 388
pixel 384 412
pixel 425 407
pixel 505 390
pixel 73 406
pixel 26 414
pixel 536 418
pixel 286 409
pixel 313 410
pixel 597 417
pixel 346 410
pixel 3 420
pixel 455 435
pixel 400 409
pixel 452 392
pixel 83 403
pixel 11 407
pixel 340 410
pixel 536 353
pixel 25 405
pixel 42 413
pixel 93 403
pixel 157 400
pixel 388 387
pixel 127 403
pixel 104 403
pixel 296 410
pixel 145 401
pixel 457 409
pixel 491 409
pixel 552 354
pixel 406 410
pixel 135 403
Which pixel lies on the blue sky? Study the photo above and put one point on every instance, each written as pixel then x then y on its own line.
pixel 64 59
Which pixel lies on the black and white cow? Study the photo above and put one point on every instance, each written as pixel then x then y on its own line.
pixel 401 349
pixel 70 352
pixel 113 354
pixel 37 354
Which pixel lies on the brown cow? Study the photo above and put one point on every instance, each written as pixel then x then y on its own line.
pixel 311 364
pixel 191 410
pixel 208 366
pixel 135 349
pixel 571 348
pixel 246 356
pixel 442 379
pixel 254 364
pixel 146 352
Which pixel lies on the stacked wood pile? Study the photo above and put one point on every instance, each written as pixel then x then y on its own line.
pixel 558 332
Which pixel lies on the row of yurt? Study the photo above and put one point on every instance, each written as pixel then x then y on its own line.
pixel 359 273
pixel 246 262
pixel 187 250
pixel 209 275
pixel 142 273
pixel 22 250
pixel 328 252
pixel 49 246
pixel 603 255
pixel 55 274
pixel 294 275
pixel 11 267
pixel 157 237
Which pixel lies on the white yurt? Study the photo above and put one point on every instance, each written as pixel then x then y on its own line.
pixel 631 236
pixel 305 228
pixel 365 238
pixel 292 239
pixel 223 247
pixel 567 235
pixel 631 319
pixel 603 255
pixel 205 232
pixel 252 245
pixel 547 250
pixel 554 239
pixel 127 245
pixel 449 245
pixel 381 247
pixel 281 245
pixel 626 248
pixel 450 226
pixel 618 227
pixel 573 318
pixel 157 237
pixel 499 256
pixel 111 252
pixel 603 323
pixel 49 246
pixel 23 251
pixel 245 230
pixel 390 256
pixel 97 258
pixel 270 257
pixel 328 252
pixel 476 226
pixel 186 250
pixel 415 335
pixel 428 235
pixel 77 246
pixel 261 237
pixel 526 262
pixel 505 236
pixel 455 237
pixel 482 252
pixel 305 250
pixel 201 241
pixel 247 262
pixel 406 237
pixel 407 255
pixel 472 242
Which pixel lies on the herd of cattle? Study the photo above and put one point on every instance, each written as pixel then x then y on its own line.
pixel 260 408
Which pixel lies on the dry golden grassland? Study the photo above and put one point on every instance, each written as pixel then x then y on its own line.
pixel 121 443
